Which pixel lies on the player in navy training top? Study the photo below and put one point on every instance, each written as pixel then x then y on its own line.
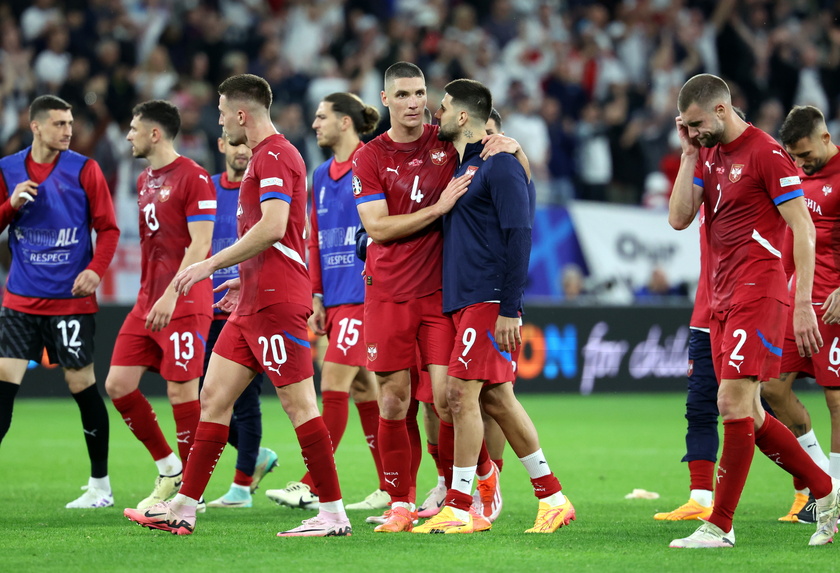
pixel 252 461
pixel 338 290
pixel 51 198
pixel 487 242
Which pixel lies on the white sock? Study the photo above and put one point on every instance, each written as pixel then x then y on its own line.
pixel 702 496
pixel 441 481
pixel 834 465
pixel 336 507
pixel 805 491
pixel 241 487
pixel 181 499
pixel 555 499
pixel 103 483
pixel 536 465
pixel 812 447
pixel 462 479
pixel 169 466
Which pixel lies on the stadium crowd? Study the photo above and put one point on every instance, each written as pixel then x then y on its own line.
pixel 589 88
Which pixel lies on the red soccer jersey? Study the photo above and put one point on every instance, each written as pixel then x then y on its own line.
pixel 278 274
pixel 409 176
pixel 169 199
pixel 743 182
pixel 701 313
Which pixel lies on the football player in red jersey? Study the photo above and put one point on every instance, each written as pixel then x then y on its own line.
pixel 165 332
pixel 750 192
pixel 403 186
pixel 266 332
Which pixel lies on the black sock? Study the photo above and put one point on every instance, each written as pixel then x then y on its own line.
pixel 8 391
pixel 96 428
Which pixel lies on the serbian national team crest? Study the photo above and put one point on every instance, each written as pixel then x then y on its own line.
pixel 735 172
pixel 357 186
pixel 438 156
pixel 163 194
pixel 471 170
pixel 690 368
pixel 372 351
pixel 826 189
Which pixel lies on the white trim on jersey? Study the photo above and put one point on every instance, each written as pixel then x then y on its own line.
pixel 766 244
pixel 289 252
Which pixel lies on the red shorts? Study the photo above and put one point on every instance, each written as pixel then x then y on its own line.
pixel 393 329
pixel 747 340
pixel 345 325
pixel 274 340
pixel 177 351
pixel 824 365
pixel 476 356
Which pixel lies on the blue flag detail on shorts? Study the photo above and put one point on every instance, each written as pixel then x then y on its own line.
pixel 505 355
pixel 774 349
pixel 304 343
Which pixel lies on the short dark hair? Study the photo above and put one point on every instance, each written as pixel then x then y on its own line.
pixel 704 90
pixel 497 117
pixel 161 112
pixel 247 87
pixel 364 117
pixel 403 70
pixel 472 96
pixel 802 121
pixel 45 103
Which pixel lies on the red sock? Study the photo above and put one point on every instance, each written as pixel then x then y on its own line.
pixel 335 415
pixel 485 465
pixel 369 417
pixel 396 458
pixel 243 479
pixel 546 485
pixel 733 467
pixel 799 484
pixel 458 499
pixel 208 445
pixel 186 421
pixel 433 451
pixel 137 413
pixel 446 450
pixel 499 463
pixel 780 445
pixel 315 445
pixel 702 474
pixel 416 444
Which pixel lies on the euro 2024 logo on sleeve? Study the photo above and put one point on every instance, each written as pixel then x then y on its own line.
pixel 357 186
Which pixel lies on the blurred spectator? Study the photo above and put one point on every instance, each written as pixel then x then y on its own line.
pixel 594 159
pixel 52 65
pixel 35 20
pixel 658 290
pixel 561 160
pixel 156 77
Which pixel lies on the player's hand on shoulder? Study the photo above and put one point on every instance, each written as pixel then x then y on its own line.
pixel 498 143
pixel 689 145
pixel 86 283
pixel 831 308
pixel 24 192
pixel 231 299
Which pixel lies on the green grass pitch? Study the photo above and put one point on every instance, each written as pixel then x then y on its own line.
pixel 601 447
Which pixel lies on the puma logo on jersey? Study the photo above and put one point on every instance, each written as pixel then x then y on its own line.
pixel 182 364
pixel 709 166
pixel 736 366
pixel 275 370
pixel 466 363
pixel 343 348
pixel 275 155
pixel 204 178
pixel 75 351
pixel 779 151
pixel 396 170
pixel 835 370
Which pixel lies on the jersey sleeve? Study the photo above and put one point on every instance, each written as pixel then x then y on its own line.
pixel 315 253
pixel 200 197
pixel 780 175
pixel 102 217
pixel 698 173
pixel 276 179
pixel 7 212
pixel 366 183
pixel 509 190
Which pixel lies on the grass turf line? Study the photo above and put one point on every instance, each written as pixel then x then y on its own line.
pixel 601 447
